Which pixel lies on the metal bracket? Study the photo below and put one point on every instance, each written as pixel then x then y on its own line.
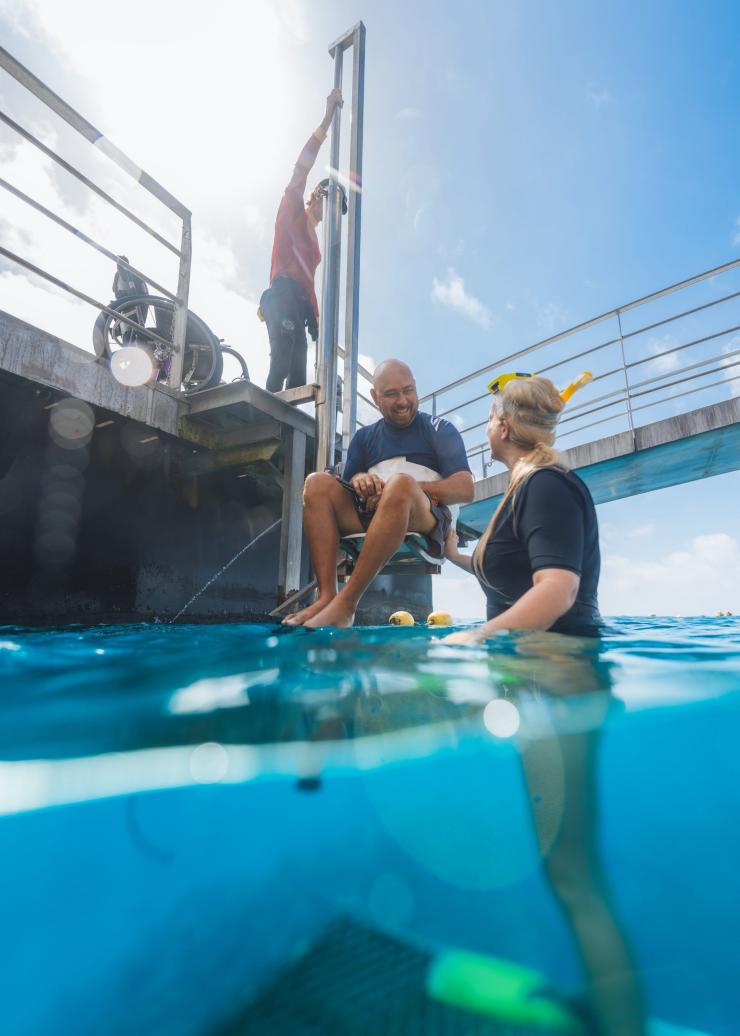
pixel 299 394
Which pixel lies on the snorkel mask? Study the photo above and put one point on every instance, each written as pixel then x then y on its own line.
pixel 499 382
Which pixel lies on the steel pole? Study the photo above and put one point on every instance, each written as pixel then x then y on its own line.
pixel 354 228
pixel 180 322
pixel 326 374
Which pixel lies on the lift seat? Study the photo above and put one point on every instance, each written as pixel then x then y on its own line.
pixel 412 556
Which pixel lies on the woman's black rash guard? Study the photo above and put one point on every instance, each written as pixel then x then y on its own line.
pixel 553 525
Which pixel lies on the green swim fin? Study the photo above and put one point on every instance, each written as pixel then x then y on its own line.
pixel 499 989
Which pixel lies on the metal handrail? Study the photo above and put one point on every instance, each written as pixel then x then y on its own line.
pixel 475 451
pixel 184 253
pixel 584 325
pixel 630 397
pixel 81 295
pixel 86 181
pixel 584 409
pixel 86 129
pixel 83 237
pixel 646 406
pixel 603 345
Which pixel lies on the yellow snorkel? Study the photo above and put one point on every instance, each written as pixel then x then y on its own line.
pixel 577 383
pixel 498 383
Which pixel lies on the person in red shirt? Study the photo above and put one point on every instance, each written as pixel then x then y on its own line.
pixel 289 305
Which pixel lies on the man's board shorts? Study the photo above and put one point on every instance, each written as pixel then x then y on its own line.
pixel 436 538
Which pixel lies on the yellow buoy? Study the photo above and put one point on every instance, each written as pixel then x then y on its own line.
pixel 401 619
pixel 439 619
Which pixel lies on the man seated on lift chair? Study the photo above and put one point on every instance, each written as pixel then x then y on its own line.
pixel 402 475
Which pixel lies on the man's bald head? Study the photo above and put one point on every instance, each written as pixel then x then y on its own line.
pixel 394 392
pixel 393 367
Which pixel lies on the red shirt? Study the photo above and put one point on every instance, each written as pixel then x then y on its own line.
pixel 295 250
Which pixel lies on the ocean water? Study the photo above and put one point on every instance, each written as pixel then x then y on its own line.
pixel 184 810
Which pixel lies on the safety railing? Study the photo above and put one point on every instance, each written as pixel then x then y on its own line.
pixel 85 129
pixel 635 369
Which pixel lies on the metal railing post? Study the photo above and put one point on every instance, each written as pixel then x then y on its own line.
pixel 354 228
pixel 179 324
pixel 626 379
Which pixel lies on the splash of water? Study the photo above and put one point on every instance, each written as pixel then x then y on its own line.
pixel 221 571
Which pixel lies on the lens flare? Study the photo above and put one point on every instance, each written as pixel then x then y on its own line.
pixel 501 718
pixel 131 366
pixel 71 424
pixel 209 763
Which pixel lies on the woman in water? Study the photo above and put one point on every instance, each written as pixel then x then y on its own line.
pixel 538 561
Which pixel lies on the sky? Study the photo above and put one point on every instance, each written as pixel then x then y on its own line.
pixel 526 166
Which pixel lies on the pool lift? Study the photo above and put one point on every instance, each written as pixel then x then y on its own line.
pixel 330 394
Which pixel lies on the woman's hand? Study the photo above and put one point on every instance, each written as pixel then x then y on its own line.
pixel 453 554
pixel 463 637
pixel 451 550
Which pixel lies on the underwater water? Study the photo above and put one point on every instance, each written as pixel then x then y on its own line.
pixel 185 809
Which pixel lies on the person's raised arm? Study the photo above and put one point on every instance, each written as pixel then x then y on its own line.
pixel 333 101
pixel 307 157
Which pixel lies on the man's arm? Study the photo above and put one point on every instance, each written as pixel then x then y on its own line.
pixel 456 484
pixel 455 489
pixel 307 157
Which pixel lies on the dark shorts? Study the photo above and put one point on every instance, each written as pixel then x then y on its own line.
pixel 435 539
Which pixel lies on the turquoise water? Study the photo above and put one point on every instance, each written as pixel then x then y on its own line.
pixel 183 809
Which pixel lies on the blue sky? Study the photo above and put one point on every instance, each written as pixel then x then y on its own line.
pixel 527 166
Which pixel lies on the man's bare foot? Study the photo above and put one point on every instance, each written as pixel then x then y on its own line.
pixel 299 618
pixel 336 613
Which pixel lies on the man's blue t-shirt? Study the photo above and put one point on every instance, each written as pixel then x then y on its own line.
pixel 430 441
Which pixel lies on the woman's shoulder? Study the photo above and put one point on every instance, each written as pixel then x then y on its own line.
pixel 557 480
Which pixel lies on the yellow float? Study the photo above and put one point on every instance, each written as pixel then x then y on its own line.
pixel 439 619
pixel 401 619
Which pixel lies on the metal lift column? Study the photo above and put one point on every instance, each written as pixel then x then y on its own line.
pixel 327 357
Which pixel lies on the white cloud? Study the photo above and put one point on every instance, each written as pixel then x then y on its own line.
pixel 701 580
pixel 664 361
pixel 598 96
pixel 451 292
pixel 551 318
pixel 641 531
pixel 408 114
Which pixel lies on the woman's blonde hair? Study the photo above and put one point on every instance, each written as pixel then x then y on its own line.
pixel 531 407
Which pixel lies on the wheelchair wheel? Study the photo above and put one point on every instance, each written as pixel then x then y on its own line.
pixel 203 362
